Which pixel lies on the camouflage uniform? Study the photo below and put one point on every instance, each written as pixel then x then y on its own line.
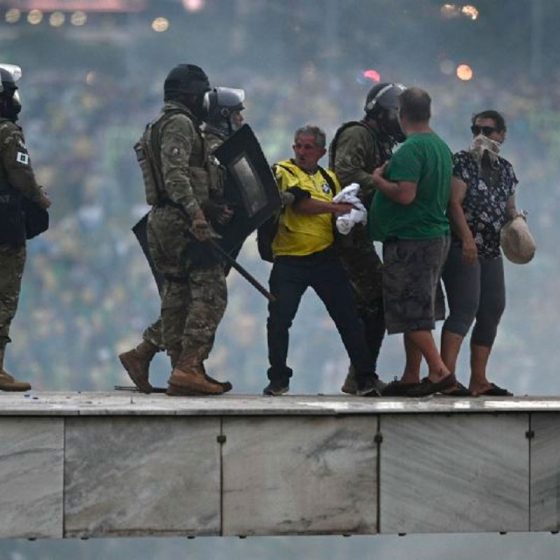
pixel 194 295
pixel 12 261
pixel 214 139
pixel 356 150
pixel 16 175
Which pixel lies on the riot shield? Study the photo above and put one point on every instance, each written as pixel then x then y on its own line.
pixel 250 188
pixel 140 230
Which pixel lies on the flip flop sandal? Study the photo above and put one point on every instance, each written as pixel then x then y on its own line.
pixel 397 389
pixel 495 391
pixel 459 391
pixel 427 387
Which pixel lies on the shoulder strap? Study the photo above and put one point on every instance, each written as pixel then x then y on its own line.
pixel 322 170
pixel 328 179
pixel 343 127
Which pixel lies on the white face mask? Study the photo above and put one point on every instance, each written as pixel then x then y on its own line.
pixel 481 144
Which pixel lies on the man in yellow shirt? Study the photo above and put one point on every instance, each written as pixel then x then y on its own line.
pixel 304 257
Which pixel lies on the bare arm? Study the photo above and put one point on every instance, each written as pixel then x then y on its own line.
pixel 511 207
pixel 401 192
pixel 459 222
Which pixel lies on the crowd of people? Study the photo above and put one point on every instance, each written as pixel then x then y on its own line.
pixel 87 290
pixel 91 223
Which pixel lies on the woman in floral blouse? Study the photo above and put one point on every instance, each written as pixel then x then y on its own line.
pixel 482 201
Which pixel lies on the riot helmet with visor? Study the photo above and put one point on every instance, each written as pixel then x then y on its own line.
pixel 382 105
pixel 187 84
pixel 10 102
pixel 222 106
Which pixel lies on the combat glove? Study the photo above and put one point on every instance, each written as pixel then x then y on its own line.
pixel 217 212
pixel 200 227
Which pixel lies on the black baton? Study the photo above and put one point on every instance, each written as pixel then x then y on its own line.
pixel 247 275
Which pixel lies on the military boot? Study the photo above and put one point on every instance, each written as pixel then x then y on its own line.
pixel 7 381
pixel 137 364
pixel 188 378
pixel 226 385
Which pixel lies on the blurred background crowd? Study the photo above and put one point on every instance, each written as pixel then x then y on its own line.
pixel 92 78
pixel 98 80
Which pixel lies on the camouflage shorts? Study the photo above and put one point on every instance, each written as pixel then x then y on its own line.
pixel 412 295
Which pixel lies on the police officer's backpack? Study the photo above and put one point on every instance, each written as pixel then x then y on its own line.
pixel 36 218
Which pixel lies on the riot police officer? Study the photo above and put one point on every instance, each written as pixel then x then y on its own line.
pixel 358 148
pixel 17 182
pixel 223 117
pixel 179 179
pixel 221 111
pixel 223 106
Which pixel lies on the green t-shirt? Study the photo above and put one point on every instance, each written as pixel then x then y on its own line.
pixel 424 159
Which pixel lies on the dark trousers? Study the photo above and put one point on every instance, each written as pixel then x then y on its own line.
pixel 474 291
pixel 289 278
pixel 364 269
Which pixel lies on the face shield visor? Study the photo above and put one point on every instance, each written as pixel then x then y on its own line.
pixel 392 125
pixel 383 107
pixel 219 105
pixel 9 75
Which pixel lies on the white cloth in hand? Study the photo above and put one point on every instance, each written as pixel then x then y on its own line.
pixel 358 214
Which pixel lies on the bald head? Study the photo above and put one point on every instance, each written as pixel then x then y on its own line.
pixel 415 105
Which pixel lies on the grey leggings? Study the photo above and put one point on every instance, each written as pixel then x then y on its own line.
pixel 474 292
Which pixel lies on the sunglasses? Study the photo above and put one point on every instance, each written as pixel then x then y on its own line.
pixel 486 130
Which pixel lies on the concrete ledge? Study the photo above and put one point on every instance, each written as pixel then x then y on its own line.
pixel 125 464
pixel 117 403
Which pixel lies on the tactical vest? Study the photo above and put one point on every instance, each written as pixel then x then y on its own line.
pixel 204 169
pixel 334 142
pixel 214 139
pixel 382 149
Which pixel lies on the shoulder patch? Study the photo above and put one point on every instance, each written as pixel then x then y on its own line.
pixel 22 158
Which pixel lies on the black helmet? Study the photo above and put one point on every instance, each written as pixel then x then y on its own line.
pixel 382 105
pixel 185 79
pixel 10 104
pixel 219 104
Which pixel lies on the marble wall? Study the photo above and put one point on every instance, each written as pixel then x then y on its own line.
pixel 460 473
pixel 300 475
pixel 108 476
pixel 31 477
pixel 545 472
pixel 138 476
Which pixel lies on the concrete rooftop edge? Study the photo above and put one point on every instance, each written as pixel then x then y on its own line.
pixel 124 403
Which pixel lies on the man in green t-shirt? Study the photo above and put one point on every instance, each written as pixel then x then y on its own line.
pixel 408 215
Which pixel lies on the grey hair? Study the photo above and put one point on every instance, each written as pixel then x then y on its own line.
pixel 315 131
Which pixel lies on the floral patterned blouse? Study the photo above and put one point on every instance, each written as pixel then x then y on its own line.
pixel 485 200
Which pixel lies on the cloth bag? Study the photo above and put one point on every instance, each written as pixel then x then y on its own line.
pixel 517 242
